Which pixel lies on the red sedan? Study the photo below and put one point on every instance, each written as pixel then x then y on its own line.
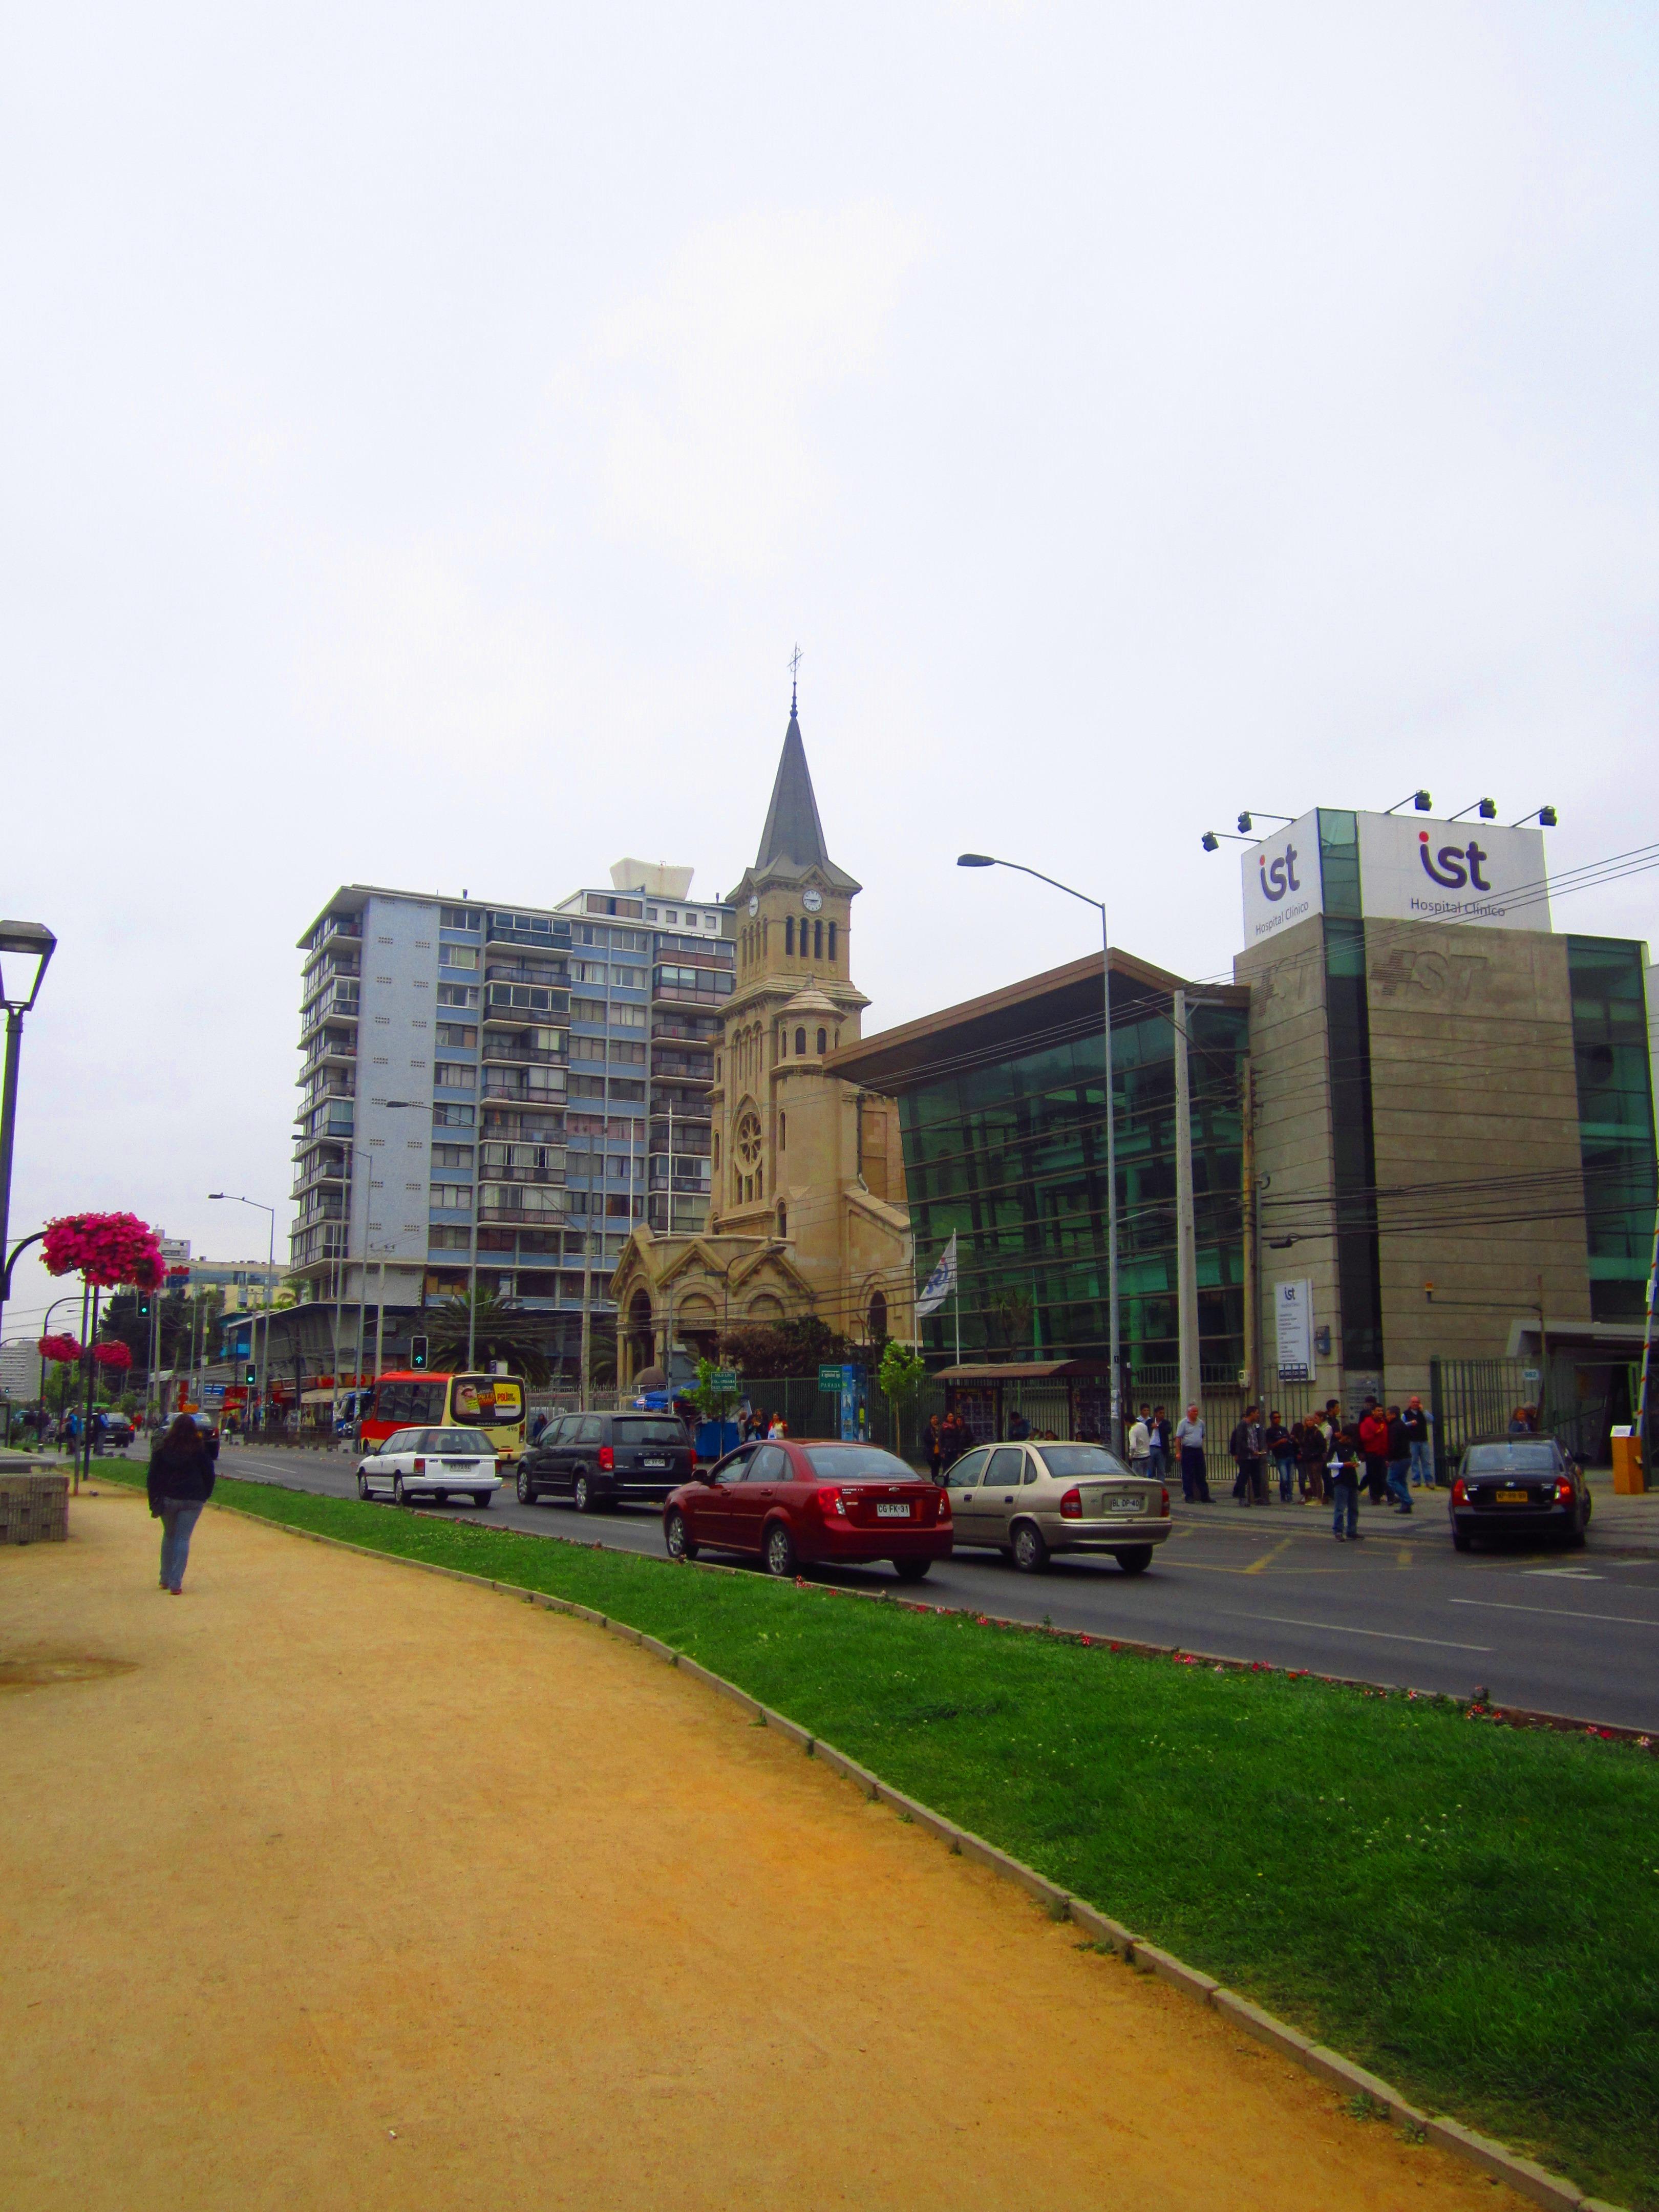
pixel 797 1501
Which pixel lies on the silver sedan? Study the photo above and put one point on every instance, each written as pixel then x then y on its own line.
pixel 433 1463
pixel 1028 1500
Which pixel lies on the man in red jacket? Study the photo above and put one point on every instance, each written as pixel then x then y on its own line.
pixel 1374 1443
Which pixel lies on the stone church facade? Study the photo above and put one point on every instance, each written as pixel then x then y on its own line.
pixel 807 1213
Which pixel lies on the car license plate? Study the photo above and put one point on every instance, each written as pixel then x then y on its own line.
pixel 1126 1505
pixel 468 1464
pixel 649 1461
pixel 1515 1497
pixel 899 1512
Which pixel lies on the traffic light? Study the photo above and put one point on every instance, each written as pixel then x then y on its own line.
pixel 253 1374
pixel 144 1305
pixel 417 1352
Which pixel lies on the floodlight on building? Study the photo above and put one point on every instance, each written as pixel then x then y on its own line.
pixel 1487 809
pixel 1211 840
pixel 1545 817
pixel 1420 800
pixel 1244 823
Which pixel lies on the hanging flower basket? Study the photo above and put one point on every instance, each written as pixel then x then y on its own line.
pixel 107 1248
pixel 64 1349
pixel 112 1353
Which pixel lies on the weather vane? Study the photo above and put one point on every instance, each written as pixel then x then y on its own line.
pixel 795 667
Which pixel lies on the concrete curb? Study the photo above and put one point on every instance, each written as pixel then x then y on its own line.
pixel 1524 2175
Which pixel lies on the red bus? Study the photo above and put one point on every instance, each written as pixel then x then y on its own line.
pixel 405 1398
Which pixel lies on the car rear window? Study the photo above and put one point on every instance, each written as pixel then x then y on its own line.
pixel 858 1463
pixel 1073 1460
pixel 648 1432
pixel 1505 1459
pixel 458 1440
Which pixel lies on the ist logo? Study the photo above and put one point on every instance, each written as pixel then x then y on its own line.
pixel 1460 866
pixel 1277 876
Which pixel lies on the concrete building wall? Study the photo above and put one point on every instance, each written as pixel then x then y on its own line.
pixel 395 1054
pixel 1475 1121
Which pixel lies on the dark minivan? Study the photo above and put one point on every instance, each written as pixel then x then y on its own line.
pixel 606 1459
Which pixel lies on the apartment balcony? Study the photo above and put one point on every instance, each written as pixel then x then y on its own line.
pixel 685 994
pixel 330 1051
pixel 318 1174
pixel 513 1208
pixel 515 1004
pixel 693 1066
pixel 555 937
pixel 502 1084
pixel 338 1003
pixel 545 1177
pixel 508 969
pixel 522 1055
pixel 322 1209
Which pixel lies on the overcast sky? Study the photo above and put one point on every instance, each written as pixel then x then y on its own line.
pixel 426 431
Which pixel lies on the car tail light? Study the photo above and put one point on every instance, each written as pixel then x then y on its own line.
pixel 607 1459
pixel 419 1467
pixel 1165 1506
pixel 942 1512
pixel 1460 1493
pixel 1563 1493
pixel 832 1506
pixel 1071 1506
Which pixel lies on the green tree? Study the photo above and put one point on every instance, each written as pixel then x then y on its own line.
pixel 711 1403
pixel 765 1350
pixel 501 1329
pixel 899 1377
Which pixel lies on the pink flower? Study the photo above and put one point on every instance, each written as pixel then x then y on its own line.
pixel 107 1248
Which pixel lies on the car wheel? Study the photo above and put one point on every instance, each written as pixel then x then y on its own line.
pixel 677 1537
pixel 400 1496
pixel 779 1552
pixel 1462 1539
pixel 912 1570
pixel 362 1484
pixel 1136 1559
pixel 526 1489
pixel 581 1495
pixel 1575 1540
pixel 480 1498
pixel 1030 1553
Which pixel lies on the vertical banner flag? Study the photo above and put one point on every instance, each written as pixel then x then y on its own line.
pixel 940 1284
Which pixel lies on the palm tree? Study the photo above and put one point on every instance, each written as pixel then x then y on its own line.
pixel 501 1329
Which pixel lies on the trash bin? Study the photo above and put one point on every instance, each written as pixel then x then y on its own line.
pixel 1628 1478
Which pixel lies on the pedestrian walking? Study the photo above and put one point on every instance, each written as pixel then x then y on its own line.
pixel 1312 1449
pixel 179 1484
pixel 1247 1446
pixel 1374 1446
pixel 1400 1461
pixel 1281 1449
pixel 933 1449
pixel 1158 1460
pixel 1140 1440
pixel 1189 1443
pixel 1343 1469
pixel 1419 1423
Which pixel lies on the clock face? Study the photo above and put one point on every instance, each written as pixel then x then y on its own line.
pixel 754 902
pixel 811 901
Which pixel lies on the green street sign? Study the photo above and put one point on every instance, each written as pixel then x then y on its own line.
pixel 829 1378
pixel 725 1379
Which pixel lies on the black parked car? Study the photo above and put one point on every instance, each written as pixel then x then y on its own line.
pixel 606 1459
pixel 1529 1484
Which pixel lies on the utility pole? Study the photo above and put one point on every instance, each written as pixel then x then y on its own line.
pixel 1186 1220
pixel 588 1317
pixel 1252 1288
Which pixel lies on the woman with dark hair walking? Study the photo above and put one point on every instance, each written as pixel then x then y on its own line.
pixel 179 1483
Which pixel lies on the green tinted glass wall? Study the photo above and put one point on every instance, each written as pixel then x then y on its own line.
pixel 1615 1119
pixel 1011 1158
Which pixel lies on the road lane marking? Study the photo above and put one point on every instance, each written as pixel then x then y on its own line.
pixel 1338 1628
pixel 1283 1545
pixel 1555 1612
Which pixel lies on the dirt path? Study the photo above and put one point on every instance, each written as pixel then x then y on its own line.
pixel 332 1884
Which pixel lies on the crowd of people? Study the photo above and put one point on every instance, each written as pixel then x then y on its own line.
pixel 1318 1459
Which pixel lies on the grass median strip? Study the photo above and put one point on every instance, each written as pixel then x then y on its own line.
pixel 1471 1910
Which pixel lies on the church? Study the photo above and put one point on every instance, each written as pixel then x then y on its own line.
pixel 807 1213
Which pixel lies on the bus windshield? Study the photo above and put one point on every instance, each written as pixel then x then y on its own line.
pixel 487 1401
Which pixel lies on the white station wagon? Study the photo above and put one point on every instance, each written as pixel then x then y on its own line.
pixel 413 1463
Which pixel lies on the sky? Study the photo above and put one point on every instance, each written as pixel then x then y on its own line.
pixel 425 432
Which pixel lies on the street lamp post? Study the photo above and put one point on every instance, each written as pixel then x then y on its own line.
pixel 25 949
pixel 261 1380
pixel 989 860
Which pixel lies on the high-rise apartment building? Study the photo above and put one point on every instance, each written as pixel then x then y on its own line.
pixel 484 1090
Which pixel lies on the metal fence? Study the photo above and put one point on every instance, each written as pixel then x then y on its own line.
pixel 1471 1398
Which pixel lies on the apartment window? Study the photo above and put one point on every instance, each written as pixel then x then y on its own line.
pixel 783 1131
pixel 446 1240
pixel 451 1075
pixel 457 1036
pixel 458 956
pixel 588 1010
pixel 629 1055
pixel 457 994
pixel 453 1156
pixel 627 1018
pixel 453 1197
pixel 631 979
pixel 457 917
pixel 452 1117
pixel 618 1165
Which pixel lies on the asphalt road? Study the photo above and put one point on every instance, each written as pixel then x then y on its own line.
pixel 1569 1632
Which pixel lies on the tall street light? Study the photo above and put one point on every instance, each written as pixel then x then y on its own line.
pixel 264 1384
pixel 987 861
pixel 25 949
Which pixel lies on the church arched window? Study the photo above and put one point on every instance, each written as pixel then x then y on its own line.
pixel 824 1040
pixel 783 1132
pixel 817 940
pixel 800 1041
pixel 789 935
pixel 832 944
pixel 783 1221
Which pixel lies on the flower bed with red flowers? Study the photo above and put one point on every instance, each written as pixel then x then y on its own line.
pixel 107 1249
pixel 64 1349
pixel 112 1353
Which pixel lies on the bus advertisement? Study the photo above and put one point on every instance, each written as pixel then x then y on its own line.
pixel 407 1399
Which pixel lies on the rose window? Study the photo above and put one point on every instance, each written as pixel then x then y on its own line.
pixel 747 1141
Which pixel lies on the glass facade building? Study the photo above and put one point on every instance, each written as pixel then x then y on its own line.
pixel 1615 1119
